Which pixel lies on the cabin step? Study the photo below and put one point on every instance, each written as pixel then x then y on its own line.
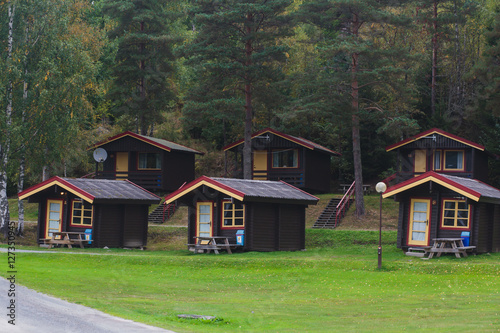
pixel 416 254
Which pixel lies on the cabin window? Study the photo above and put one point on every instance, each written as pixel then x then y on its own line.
pixel 453 160
pixel 437 160
pixel 233 214
pixel 288 158
pixel 456 214
pixel 81 213
pixel 149 161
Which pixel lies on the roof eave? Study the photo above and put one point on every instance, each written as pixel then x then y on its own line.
pixel 435 177
pixel 434 131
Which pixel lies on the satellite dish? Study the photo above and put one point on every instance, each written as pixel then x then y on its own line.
pixel 100 155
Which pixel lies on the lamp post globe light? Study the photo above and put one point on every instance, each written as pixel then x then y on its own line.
pixel 380 188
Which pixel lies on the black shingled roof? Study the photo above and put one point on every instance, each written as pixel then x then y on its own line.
pixel 104 189
pixel 264 189
pixel 487 192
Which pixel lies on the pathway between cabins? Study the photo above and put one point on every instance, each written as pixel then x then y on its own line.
pixel 35 312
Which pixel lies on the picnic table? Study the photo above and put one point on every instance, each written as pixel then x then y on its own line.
pixel 367 189
pixel 68 238
pixel 440 246
pixel 212 243
pixel 449 245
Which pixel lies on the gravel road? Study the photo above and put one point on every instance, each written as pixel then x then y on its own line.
pixel 35 313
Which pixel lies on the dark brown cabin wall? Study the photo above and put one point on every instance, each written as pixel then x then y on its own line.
pixel 263 234
pixel 317 171
pixel 480 167
pixel 178 168
pixel 402 227
pixel 191 224
pixel 135 218
pixel 274 142
pixel 291 227
pixel 42 212
pixel 110 226
pixel 441 142
pixel 484 229
pixel 495 243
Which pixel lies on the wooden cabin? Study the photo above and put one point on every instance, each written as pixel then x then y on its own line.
pixel 271 214
pixel 155 164
pixel 442 193
pixel 115 212
pixel 442 152
pixel 278 156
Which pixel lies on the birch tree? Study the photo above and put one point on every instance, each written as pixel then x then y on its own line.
pixel 6 130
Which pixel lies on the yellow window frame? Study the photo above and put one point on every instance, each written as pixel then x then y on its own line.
pixel 80 213
pixel 444 160
pixel 229 214
pixel 455 216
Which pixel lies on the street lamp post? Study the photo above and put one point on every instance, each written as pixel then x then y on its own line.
pixel 380 188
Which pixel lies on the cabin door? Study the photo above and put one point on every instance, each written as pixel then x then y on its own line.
pixel 204 219
pixel 418 231
pixel 121 165
pixel 54 217
pixel 420 161
pixel 260 164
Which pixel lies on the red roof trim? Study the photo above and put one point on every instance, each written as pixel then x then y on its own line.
pixel 135 136
pixel 432 174
pixel 300 141
pixel 53 181
pixel 188 188
pixel 432 131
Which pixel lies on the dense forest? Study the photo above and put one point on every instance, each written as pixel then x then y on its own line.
pixel 353 75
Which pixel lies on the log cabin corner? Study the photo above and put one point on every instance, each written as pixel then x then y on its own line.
pixel 442 192
pixel 113 212
pixel 155 164
pixel 278 156
pixel 270 214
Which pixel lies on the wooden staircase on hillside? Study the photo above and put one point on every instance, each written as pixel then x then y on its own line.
pixel 328 218
pixel 161 213
pixel 335 210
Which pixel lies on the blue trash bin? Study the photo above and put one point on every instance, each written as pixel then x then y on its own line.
pixel 465 238
pixel 88 235
pixel 240 237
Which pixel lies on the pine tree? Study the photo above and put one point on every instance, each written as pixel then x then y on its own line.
pixel 364 73
pixel 237 45
pixel 144 60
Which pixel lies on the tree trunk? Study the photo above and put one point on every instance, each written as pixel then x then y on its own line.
pixel 4 151
pixel 434 59
pixel 356 145
pixel 22 159
pixel 142 88
pixel 20 203
pixel 247 145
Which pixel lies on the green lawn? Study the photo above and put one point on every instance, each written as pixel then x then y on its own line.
pixel 333 286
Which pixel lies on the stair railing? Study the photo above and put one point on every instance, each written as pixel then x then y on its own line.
pixel 171 207
pixel 344 203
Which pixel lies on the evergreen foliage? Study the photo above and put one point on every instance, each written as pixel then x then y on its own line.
pixel 143 70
